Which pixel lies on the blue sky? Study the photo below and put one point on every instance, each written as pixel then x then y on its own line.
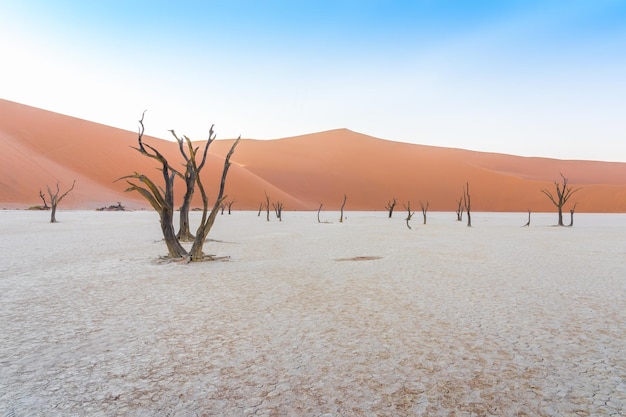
pixel 532 78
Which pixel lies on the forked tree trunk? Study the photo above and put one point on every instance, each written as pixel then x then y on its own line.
pixel 184 231
pixel 409 214
pixel 424 209
pixel 278 209
pixel 467 203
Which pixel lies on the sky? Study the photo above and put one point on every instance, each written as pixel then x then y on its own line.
pixel 530 77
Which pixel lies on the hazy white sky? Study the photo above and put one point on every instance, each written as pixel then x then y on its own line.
pixel 527 77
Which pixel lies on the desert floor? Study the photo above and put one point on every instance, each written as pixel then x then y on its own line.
pixel 445 320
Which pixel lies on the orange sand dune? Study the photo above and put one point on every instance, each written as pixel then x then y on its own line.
pixel 38 147
pixel 322 167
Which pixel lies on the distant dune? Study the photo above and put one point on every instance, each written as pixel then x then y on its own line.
pixel 38 147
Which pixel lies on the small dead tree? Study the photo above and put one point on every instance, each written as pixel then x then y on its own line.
pixel 571 214
pixel 45 203
pixel 278 209
pixel 409 214
pixel 467 203
pixel 222 208
pixel 459 209
pixel 390 206
pixel 345 197
pixel 563 193
pixel 260 209
pixel 229 204
pixel 55 199
pixel 528 222
pixel 424 209
pixel 318 212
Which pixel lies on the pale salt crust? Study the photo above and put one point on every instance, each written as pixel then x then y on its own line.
pixel 443 320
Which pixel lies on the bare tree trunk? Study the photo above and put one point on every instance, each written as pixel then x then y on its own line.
pixel 390 206
pixel 55 199
pixel 229 204
pixel 571 214
pixel 459 210
pixel 260 208
pixel 318 212
pixel 409 214
pixel 424 209
pixel 184 232
pixel 467 203
pixel 345 197
pixel 528 222
pixel 53 214
pixel 267 206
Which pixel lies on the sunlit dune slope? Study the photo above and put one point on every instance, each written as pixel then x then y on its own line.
pixel 38 147
pixel 322 167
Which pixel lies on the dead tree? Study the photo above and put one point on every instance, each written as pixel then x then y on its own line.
pixel 229 204
pixel 278 209
pixel 424 209
pixel 162 200
pixel 260 209
pixel 318 212
pixel 571 214
pixel 345 197
pixel 55 199
pixel 390 206
pixel 222 208
pixel 563 193
pixel 467 204
pixel 184 232
pixel 459 209
pixel 45 203
pixel 528 222
pixel 409 214
pixel 267 207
